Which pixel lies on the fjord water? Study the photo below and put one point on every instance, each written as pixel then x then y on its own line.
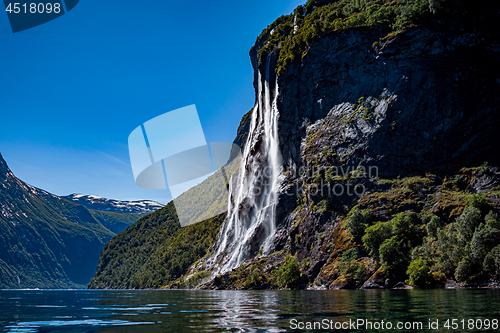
pixel 147 311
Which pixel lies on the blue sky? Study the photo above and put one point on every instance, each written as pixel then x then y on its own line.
pixel 73 89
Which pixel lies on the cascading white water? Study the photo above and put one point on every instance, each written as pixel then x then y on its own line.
pixel 253 198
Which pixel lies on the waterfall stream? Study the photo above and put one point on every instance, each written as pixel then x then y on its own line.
pixel 253 196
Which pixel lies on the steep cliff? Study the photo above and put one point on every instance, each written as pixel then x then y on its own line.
pixel 430 95
pixel 371 154
pixel 359 107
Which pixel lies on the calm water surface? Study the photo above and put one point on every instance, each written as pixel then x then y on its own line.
pixel 238 311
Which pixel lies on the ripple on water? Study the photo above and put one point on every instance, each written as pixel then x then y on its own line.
pixel 33 326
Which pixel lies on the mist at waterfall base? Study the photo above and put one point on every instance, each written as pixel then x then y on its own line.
pixel 145 311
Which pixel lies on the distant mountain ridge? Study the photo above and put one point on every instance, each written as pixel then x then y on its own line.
pixel 98 203
pixel 47 241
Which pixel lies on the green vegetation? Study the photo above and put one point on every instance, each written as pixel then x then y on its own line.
pixel 463 250
pixel 351 268
pixel 124 256
pixel 172 260
pixel 357 221
pixel 390 242
pixel 492 262
pixel 154 251
pixel 430 230
pixel 115 221
pixel 294 33
pixel 375 235
pixel 290 272
pixel 419 274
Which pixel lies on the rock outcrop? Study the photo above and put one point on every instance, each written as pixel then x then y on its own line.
pixel 442 83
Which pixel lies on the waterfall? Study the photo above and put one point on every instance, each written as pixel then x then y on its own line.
pixel 253 196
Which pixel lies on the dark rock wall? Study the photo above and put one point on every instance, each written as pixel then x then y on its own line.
pixel 445 115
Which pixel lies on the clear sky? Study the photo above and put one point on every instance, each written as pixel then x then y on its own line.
pixel 73 89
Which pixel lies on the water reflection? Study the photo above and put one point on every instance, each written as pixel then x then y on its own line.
pixel 222 311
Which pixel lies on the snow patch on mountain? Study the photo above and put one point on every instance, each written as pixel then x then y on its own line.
pixel 99 203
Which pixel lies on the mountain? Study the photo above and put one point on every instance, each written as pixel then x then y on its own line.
pixel 155 250
pixel 97 203
pixel 371 156
pixel 47 241
pixel 114 214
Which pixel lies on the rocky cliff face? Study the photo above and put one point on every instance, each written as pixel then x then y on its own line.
pixel 440 82
pixel 429 99
pixel 420 102
pixel 364 158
